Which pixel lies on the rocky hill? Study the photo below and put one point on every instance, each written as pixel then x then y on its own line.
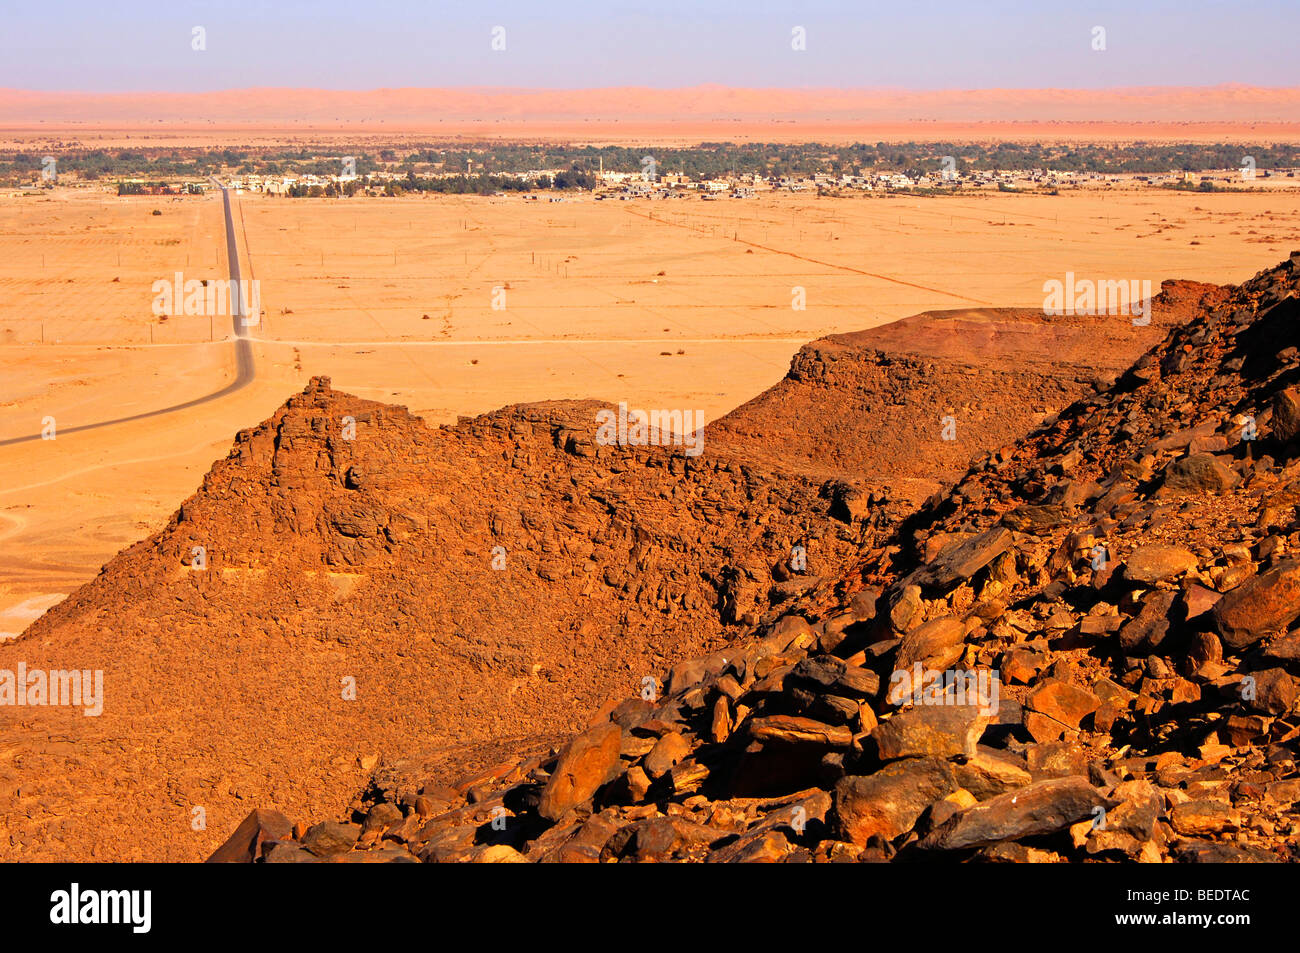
pixel 352 594
pixel 1081 650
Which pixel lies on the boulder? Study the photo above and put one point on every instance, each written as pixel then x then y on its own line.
pixel 582 768
pixel 1158 563
pixel 1198 473
pixel 960 562
pixel 329 838
pixel 793 729
pixel 1147 630
pixel 1286 414
pixel 939 731
pixel 1263 605
pixel 1273 692
pixel 888 803
pixel 1040 808
pixel 1202 818
pixel 937 642
pixel 666 753
pixel 990 772
pixel 245 845
pixel 1062 702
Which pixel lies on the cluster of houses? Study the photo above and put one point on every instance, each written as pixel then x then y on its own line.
pixel 634 185
pixel 637 185
pixel 943 179
pixel 282 184
pixel 143 187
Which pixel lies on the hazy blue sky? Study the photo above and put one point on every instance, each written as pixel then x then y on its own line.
pixel 365 44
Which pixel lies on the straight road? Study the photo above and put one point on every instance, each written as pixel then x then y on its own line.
pixel 245 370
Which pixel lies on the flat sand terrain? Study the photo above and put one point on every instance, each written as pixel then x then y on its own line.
pixel 675 304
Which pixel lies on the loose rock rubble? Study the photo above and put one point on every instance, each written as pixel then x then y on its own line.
pixel 1111 600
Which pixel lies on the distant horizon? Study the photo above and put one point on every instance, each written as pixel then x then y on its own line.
pixel 791 87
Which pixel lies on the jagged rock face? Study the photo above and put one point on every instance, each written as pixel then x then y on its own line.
pixel 352 588
pixel 1118 644
pixel 502 509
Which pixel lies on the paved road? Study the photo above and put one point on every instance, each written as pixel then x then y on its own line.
pixel 244 367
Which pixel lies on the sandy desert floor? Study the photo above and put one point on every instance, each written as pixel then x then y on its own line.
pixel 677 304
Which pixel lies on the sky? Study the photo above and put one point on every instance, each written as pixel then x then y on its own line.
pixel 147 45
